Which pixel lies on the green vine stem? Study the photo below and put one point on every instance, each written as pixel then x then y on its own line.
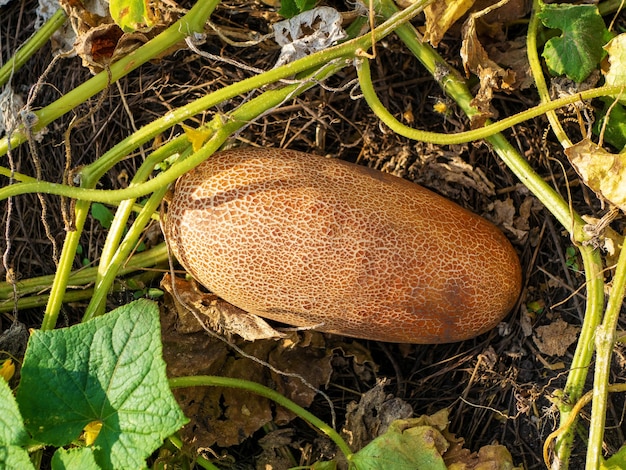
pixel 4 171
pixel 211 381
pixel 550 198
pixel 34 43
pixel 518 165
pixel 37 285
pixel 103 285
pixel 64 267
pixel 91 174
pixel 577 374
pixel 30 185
pixel 537 72
pixel 605 341
pixel 482 132
pixel 107 267
pixel 592 263
pixel 83 293
pixel 198 459
pixel 192 22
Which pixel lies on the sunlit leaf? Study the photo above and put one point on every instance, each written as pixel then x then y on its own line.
pixel 109 370
pixel 578 50
pixel 602 171
pixel 616 49
pixel 132 15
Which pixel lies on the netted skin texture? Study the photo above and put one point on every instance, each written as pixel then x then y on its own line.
pixel 322 243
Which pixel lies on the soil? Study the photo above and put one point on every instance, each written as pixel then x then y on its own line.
pixel 497 387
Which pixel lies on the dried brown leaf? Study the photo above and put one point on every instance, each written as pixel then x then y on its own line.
pixel 104 44
pixel 602 236
pixel 476 60
pixel 372 416
pixel 513 55
pixel 440 16
pixel 228 416
pixel 99 41
pixel 219 314
pixel 602 171
pixel 503 214
pixel 555 338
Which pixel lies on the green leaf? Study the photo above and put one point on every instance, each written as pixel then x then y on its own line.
pixel 102 214
pixel 404 446
pixel 615 130
pixel 77 458
pixel 578 50
pixel 14 458
pixel 617 460
pixel 321 465
pixel 291 8
pixel 132 15
pixel 110 370
pixel 12 433
pixel 12 430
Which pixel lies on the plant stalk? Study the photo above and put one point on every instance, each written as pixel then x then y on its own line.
pixel 34 43
pixel 258 389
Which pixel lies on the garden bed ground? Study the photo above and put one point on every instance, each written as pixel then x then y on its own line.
pixel 497 387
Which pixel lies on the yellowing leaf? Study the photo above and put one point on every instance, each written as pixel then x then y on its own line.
pixel 197 136
pixel 132 15
pixel 440 16
pixel 616 48
pixel 7 369
pixel 425 442
pixel 91 432
pixel 602 171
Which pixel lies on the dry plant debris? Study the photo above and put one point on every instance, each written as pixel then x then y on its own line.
pixel 604 172
pixel 296 366
pixel 429 378
pixel 555 338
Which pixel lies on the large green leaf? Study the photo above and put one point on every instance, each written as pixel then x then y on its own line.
pixel 12 429
pixel 12 432
pixel 579 48
pixel 107 370
pixel 77 458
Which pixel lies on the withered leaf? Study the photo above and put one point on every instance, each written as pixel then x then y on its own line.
pixel 602 171
pixel 555 338
pixel 616 73
pixel 513 55
pixel 492 77
pixel 228 416
pixel 218 314
pixel 99 41
pixel 440 16
pixel 372 416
